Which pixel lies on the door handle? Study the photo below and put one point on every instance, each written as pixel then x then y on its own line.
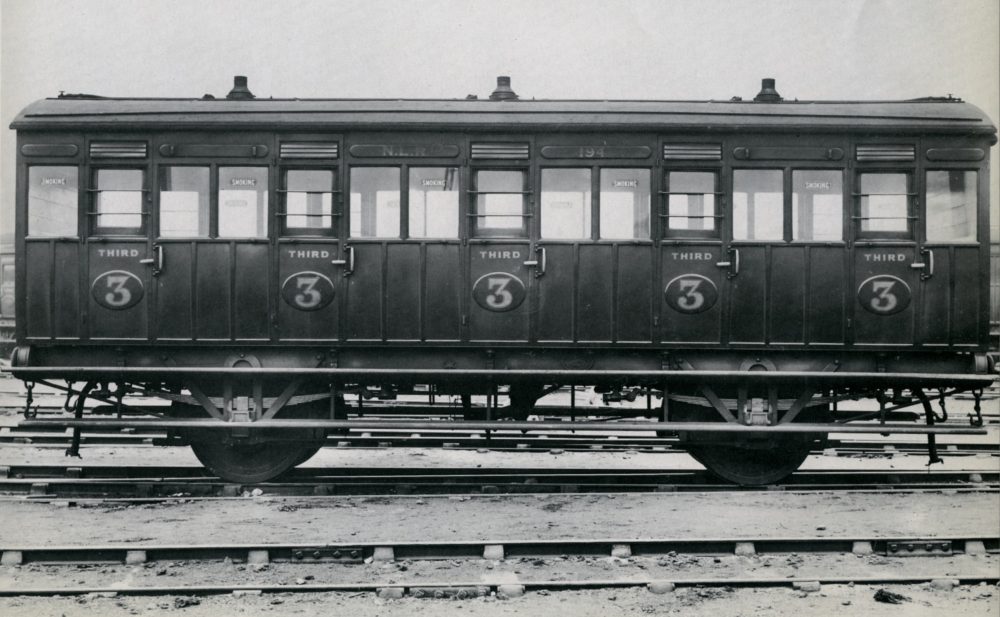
pixel 349 262
pixel 540 263
pixel 156 262
pixel 928 266
pixel 733 264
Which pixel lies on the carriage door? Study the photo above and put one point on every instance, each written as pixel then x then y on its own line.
pixel 952 275
pixel 694 262
pixel 52 247
pixel 311 265
pixel 211 255
pixel 788 269
pixel 404 253
pixel 119 257
pixel 501 263
pixel 887 263
pixel 595 250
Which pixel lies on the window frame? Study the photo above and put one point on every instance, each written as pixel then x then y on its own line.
pixel 527 201
pixel 590 206
pixel 336 203
pixel 599 205
pixel 145 208
pixel 718 219
pixel 215 222
pixel 786 179
pixel 213 210
pixel 346 219
pixel 405 190
pixel 82 221
pixel 911 214
pixel 925 201
pixel 790 214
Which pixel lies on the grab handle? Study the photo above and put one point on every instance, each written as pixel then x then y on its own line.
pixel 349 262
pixel 156 262
pixel 733 264
pixel 540 263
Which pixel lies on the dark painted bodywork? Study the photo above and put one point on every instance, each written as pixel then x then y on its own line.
pixel 598 305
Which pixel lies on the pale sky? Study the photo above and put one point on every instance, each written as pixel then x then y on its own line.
pixel 605 49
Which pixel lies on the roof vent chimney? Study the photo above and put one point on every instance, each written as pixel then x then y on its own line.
pixel 240 92
pixel 503 91
pixel 767 92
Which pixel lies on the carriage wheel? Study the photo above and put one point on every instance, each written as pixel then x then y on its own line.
pixel 258 461
pixel 251 463
pixel 752 463
pixel 750 466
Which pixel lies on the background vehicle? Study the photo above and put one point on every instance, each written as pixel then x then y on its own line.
pixel 6 299
pixel 750 262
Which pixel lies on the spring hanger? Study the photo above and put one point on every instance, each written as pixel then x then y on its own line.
pixel 944 412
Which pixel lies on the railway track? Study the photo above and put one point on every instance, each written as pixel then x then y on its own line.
pixel 538 442
pixel 338 561
pixel 494 440
pixel 145 484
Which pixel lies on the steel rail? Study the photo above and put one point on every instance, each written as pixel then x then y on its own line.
pixel 500 375
pixel 449 549
pixel 167 490
pixel 465 426
pixel 503 443
pixel 33 472
pixel 471 589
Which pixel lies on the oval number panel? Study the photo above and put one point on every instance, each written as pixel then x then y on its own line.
pixel 117 290
pixel 691 293
pixel 884 295
pixel 307 291
pixel 499 292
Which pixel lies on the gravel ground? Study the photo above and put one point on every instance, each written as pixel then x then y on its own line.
pixel 495 518
pixel 831 600
pixel 669 567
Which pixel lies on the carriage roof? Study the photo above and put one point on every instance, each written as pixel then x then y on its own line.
pixel 936 115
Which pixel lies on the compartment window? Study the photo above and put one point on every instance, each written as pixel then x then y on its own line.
pixel 309 200
pixel 243 202
pixel 691 201
pixel 184 202
pixel 566 204
pixel 7 290
pixel 952 204
pixel 433 194
pixel 758 204
pixel 817 205
pixel 884 204
pixel 375 202
pixel 118 200
pixel 624 204
pixel 500 203
pixel 53 194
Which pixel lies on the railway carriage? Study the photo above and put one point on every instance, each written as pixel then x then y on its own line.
pixel 749 263
pixel 6 298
